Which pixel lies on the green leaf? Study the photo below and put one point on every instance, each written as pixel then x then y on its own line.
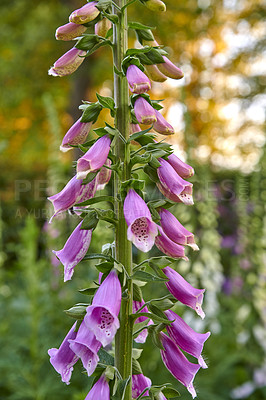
pixel 155 318
pixel 138 25
pixel 105 267
pixel 136 353
pixel 151 172
pixel 110 32
pixel 97 200
pixel 112 17
pixel 140 325
pixel 89 291
pixel 138 135
pixel 170 393
pixel 154 331
pixel 91 113
pixel 147 277
pixel 155 310
pixel 119 73
pixel 87 42
pixel 90 221
pixel 106 102
pixel 136 368
pixel 105 358
pixel 137 293
pixel 164 304
pixel 121 389
pixel 144 34
pixel 77 312
pixel 106 215
pixel 96 256
pixel 110 372
pixel 133 52
pixel 90 176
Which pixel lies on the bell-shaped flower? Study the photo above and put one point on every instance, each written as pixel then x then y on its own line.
pixel 176 231
pixel 179 366
pixel 77 134
pixel 172 185
pixel 64 358
pixel 94 158
pixel 86 347
pixel 169 69
pixel 69 31
pixel 162 126
pixel 139 383
pixel 138 82
pixel 101 317
pixel 141 229
pixel 84 14
pixel 182 169
pixel 102 27
pixel 74 192
pixel 185 337
pixel 155 5
pixel 144 112
pixel 68 63
pixel 183 291
pixel 168 247
pixel 104 176
pixel 100 390
pixel 154 74
pixel 141 338
pixel 74 250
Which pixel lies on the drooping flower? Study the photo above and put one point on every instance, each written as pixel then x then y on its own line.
pixel 172 186
pixel 77 134
pixel 162 126
pixel 138 82
pixel 84 14
pixel 185 337
pixel 176 231
pixel 69 31
pixel 101 317
pixel 181 168
pixel 104 176
pixel 155 5
pixel 64 358
pixel 94 158
pixel 141 338
pixel 175 361
pixel 169 69
pixel 68 63
pixel 74 192
pixel 183 291
pixel 100 390
pixel 141 229
pixel 139 383
pixel 144 112
pixel 154 73
pixel 86 347
pixel 102 27
pixel 168 247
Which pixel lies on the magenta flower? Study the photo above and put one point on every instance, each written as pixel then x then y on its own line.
pixel 84 14
pixel 138 82
pixel 162 126
pixel 74 250
pixel 183 291
pixel 169 69
pixel 77 134
pixel 181 168
pixel 141 338
pixel 102 27
pixel 95 157
pixel 144 112
pixel 186 338
pixel 168 247
pixel 64 358
pixel 141 229
pixel 100 390
pixel 101 317
pixel 139 383
pixel 104 176
pixel 86 347
pixel 175 361
pixel 176 231
pixel 154 73
pixel 68 63
pixel 69 31
pixel 74 192
pixel 172 185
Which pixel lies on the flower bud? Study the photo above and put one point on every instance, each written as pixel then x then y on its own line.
pixel 145 113
pixel 138 82
pixel 77 134
pixel 183 169
pixel 169 69
pixel 102 27
pixel 68 63
pixel 69 31
pixel 162 126
pixel 154 74
pixel 84 14
pixel 155 5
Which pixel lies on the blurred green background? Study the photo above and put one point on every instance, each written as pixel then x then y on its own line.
pixel 218 111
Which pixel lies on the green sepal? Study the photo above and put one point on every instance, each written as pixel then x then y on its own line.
pixel 137 293
pixel 154 163
pixel 106 215
pixel 109 32
pixel 105 267
pixel 130 60
pixel 90 291
pixel 87 42
pixel 136 368
pixel 155 331
pixel 134 52
pixel 91 112
pixel 90 221
pixel 144 34
pixel 156 310
pixel 103 5
pixel 77 311
pixel 106 102
pixel 96 256
pixel 154 56
pixel 112 17
pixel 140 159
pixel 156 104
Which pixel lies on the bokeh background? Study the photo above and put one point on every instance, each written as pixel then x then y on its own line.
pixel 218 111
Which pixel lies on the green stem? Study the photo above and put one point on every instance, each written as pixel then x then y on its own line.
pixel 124 336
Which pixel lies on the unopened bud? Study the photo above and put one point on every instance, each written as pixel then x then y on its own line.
pixel 69 31
pixel 68 63
pixel 85 14
pixel 169 69
pixel 102 27
pixel 154 74
pixel 155 5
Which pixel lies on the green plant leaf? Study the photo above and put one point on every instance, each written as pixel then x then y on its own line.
pixel 90 221
pixel 105 358
pixel 97 199
pixel 144 276
pixel 91 112
pixel 106 102
pixel 136 368
pixel 77 312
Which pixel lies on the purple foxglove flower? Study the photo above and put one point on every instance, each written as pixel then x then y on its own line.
pixel 64 358
pixel 138 82
pixel 84 14
pixel 102 27
pixel 175 361
pixel 68 63
pixel 154 74
pixel 69 31
pixel 145 113
pixel 162 126
pixel 185 337
pixel 100 390
pixel 183 291
pixel 182 169
pixel 77 134
pixel 104 176
pixel 134 128
pixel 168 247
pixel 74 192
pixel 176 231
pixel 101 317
pixel 169 69
pixel 155 5
pixel 141 338
pixel 74 250
pixel 141 229
pixel 86 347
pixel 172 185
pixel 95 157
pixel 139 383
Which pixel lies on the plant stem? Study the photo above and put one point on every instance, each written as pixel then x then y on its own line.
pixel 124 336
